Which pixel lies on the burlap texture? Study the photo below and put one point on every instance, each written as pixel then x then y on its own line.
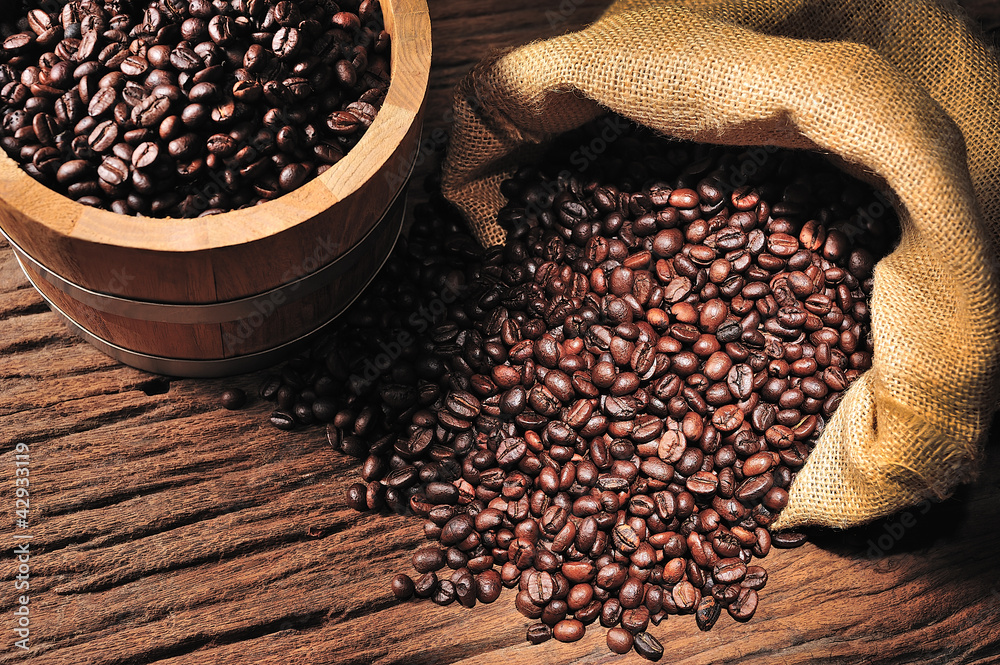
pixel 904 91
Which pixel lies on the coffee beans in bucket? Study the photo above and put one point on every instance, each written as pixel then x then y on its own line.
pixel 606 413
pixel 182 108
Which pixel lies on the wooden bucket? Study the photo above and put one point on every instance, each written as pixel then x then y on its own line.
pixel 237 291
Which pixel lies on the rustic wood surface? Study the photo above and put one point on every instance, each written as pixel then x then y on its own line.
pixel 165 529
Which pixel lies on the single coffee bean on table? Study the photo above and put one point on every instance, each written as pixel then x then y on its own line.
pixel 215 105
pixel 605 414
pixel 233 399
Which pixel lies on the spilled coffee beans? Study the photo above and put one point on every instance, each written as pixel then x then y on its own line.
pixel 605 413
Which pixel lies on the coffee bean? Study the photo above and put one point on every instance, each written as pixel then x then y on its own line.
pixel 101 102
pixel 757 464
pixel 635 620
pixel 282 420
pixel 402 586
pixel 18 42
pixel 457 529
pixel 619 640
pixel 445 594
pixel 538 633
pixel 39 21
pixel 488 586
pixel 113 170
pixel 292 176
pixel 754 488
pixel 685 596
pixel 233 399
pixel 776 498
pixel 743 608
pixel 540 587
pixel 465 587
pixel 788 539
pixel 134 66
pixel 630 594
pixel 729 571
pixel 103 136
pixel 286 42
pixel 648 646
pixel 73 171
pixel 363 111
pixel 708 613
pixel 427 559
pixel 342 122
pixel 756 577
pixel 568 630
pixel 426 585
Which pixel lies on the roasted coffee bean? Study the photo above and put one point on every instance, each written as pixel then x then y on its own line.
pixel 445 594
pixel 787 539
pixel 686 596
pixel 465 587
pixel 425 585
pixel 648 646
pixel 233 399
pixel 538 633
pixel 488 586
pixel 427 559
pixel 457 529
pixel 113 170
pixel 756 578
pixel 402 586
pixel 282 420
pixel 568 630
pixel 620 640
pixel 708 612
pixel 729 571
pixel 743 608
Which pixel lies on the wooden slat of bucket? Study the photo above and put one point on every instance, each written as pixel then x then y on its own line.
pixel 270 321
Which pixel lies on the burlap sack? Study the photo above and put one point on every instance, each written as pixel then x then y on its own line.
pixel 903 90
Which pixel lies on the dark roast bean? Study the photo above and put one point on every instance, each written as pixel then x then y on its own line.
pixel 427 559
pixel 788 539
pixel 648 646
pixel 233 399
pixel 402 586
pixel 743 608
pixel 708 612
pixel 538 633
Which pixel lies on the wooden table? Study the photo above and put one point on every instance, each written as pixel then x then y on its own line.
pixel 165 529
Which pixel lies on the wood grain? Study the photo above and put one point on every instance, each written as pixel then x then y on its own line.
pixel 168 530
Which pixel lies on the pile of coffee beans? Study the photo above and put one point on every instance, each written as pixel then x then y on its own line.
pixel 605 413
pixel 188 107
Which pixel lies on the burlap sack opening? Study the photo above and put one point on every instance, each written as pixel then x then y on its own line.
pixel 904 91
